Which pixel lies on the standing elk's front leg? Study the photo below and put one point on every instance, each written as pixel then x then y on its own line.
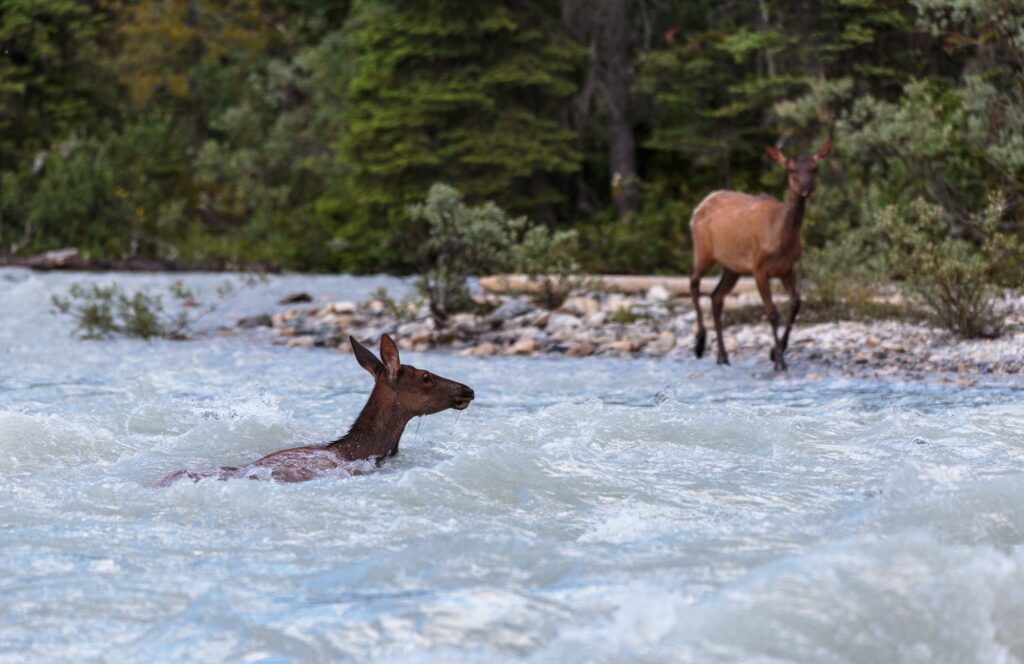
pixel 724 287
pixel 700 340
pixel 765 289
pixel 792 286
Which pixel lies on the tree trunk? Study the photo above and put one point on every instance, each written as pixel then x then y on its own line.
pixel 614 51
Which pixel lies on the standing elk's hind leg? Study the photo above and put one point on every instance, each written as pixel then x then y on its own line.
pixel 789 282
pixel 724 287
pixel 765 289
pixel 700 340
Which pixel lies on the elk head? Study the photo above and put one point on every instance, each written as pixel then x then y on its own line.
pixel 803 170
pixel 417 391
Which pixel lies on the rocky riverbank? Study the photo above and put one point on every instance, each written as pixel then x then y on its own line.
pixel 654 324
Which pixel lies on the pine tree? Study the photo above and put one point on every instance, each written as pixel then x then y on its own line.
pixel 474 93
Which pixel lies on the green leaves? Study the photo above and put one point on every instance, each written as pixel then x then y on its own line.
pixel 463 241
pixel 953 277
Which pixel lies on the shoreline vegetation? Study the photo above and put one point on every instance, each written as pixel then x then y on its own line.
pixel 656 322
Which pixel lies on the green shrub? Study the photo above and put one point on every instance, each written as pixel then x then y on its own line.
pixel 954 277
pixel 102 312
pixel 842 280
pixel 548 257
pixel 463 241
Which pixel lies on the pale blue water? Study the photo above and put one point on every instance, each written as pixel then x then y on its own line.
pixel 579 511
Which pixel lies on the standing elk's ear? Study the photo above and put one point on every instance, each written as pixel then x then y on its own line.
pixel 389 353
pixel 365 357
pixel 822 152
pixel 776 155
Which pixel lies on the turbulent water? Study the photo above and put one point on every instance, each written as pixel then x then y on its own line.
pixel 590 510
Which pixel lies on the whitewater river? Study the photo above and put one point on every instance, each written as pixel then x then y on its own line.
pixel 589 510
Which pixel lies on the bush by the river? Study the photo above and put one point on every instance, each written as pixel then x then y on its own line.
pixel 463 241
pixel 102 311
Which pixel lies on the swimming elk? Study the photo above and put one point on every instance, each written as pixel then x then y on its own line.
pixel 400 393
pixel 753 235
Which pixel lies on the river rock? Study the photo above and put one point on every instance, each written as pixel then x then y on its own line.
pixel 662 345
pixel 525 345
pixel 581 349
pixel 342 307
pixel 511 309
pixel 621 347
pixel 581 306
pixel 295 298
pixel 487 348
pixel 657 293
pixel 559 321
pixel 249 322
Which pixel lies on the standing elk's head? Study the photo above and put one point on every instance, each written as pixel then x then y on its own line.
pixel 419 392
pixel 803 170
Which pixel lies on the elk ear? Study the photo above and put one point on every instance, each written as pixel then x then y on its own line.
pixel 823 152
pixel 389 353
pixel 776 155
pixel 364 356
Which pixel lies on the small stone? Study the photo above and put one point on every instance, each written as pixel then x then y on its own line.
pixel 302 342
pixel 342 307
pixel 657 293
pixel 285 316
pixel 485 349
pixel 525 345
pixel 582 349
pixel 511 309
pixel 558 322
pixel 665 342
pixel 249 322
pixel 622 347
pixel 581 306
pixel 295 298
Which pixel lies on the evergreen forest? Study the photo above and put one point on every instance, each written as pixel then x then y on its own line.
pixel 299 133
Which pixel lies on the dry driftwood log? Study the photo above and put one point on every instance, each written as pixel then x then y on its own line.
pixel 613 283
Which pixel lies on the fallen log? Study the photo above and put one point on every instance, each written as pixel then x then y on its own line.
pixel 612 283
pixel 71 259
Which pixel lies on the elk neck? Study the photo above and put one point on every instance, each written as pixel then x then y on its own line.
pixel 791 215
pixel 377 430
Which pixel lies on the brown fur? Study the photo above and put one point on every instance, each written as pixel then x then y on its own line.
pixel 753 235
pixel 400 393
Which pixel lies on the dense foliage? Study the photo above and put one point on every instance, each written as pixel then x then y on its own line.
pixel 298 133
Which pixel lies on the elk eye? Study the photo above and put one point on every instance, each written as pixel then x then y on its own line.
pixel 427 380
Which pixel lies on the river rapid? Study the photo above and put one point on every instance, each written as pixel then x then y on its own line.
pixel 581 510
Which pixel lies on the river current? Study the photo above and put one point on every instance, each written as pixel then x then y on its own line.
pixel 581 510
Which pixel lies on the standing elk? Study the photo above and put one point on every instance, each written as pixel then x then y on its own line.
pixel 753 235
